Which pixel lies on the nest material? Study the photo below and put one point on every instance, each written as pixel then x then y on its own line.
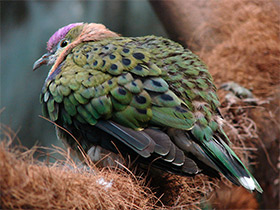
pixel 242 44
pixel 28 184
pixel 233 198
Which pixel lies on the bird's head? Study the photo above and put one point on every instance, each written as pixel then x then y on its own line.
pixel 68 37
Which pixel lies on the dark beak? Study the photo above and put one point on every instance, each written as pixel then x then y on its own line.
pixel 41 61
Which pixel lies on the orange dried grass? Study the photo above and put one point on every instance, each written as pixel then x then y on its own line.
pixel 242 44
pixel 27 184
pixel 233 198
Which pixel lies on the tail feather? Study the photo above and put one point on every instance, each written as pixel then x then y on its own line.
pixel 216 154
pixel 229 164
pixel 249 183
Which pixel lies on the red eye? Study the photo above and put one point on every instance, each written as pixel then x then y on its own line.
pixel 64 43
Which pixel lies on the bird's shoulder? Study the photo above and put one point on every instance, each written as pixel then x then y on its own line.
pixel 150 79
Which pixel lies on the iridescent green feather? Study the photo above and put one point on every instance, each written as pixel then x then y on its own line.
pixel 138 82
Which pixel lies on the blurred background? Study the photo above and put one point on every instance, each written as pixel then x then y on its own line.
pixel 26 27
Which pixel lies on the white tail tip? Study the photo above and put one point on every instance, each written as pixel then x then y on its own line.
pixel 248 183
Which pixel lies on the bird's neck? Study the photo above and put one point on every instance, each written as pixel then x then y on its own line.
pixel 90 32
pixel 95 32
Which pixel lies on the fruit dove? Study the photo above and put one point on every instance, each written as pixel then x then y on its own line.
pixel 143 97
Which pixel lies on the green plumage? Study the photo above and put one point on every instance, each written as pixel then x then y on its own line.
pixel 144 83
pixel 128 70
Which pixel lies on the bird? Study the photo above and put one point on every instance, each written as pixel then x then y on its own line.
pixel 145 97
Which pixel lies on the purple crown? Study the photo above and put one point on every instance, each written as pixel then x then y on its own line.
pixel 60 34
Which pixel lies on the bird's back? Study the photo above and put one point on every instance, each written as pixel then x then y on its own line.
pixel 148 95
